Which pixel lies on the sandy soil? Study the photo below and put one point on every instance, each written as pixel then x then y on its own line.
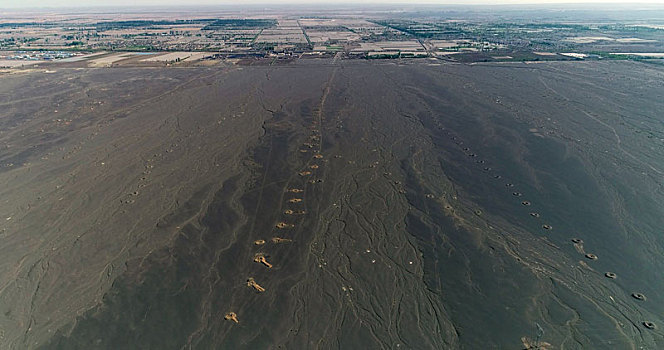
pixel 110 59
pixel 332 204
pixel 642 54
pixel 173 56
pixel 17 63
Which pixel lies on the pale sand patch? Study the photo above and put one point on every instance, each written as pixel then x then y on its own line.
pixel 641 54
pixel 635 40
pixel 446 44
pixel 16 63
pixel 445 53
pixel 83 57
pixel 574 54
pixel 588 39
pixel 653 26
pixel 592 39
pixel 109 60
pixel 174 56
pixel 545 53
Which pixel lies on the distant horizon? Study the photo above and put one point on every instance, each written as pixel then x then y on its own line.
pixel 90 4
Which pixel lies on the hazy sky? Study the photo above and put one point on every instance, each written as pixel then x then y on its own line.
pixel 78 3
